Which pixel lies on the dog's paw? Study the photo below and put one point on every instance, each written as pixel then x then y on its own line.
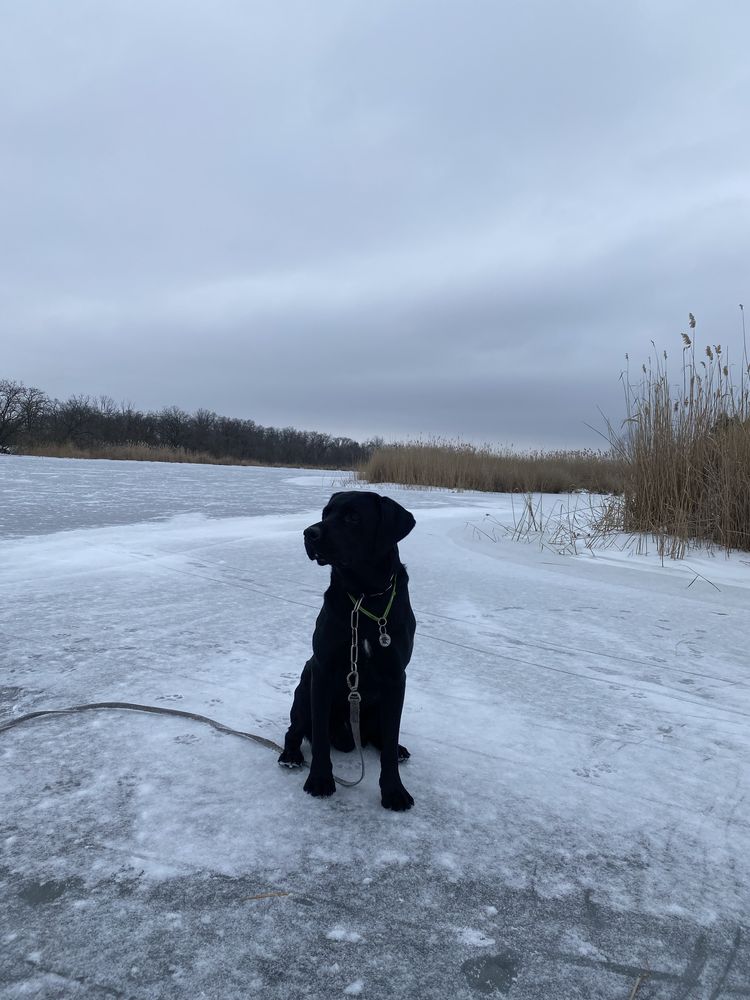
pixel 396 797
pixel 320 785
pixel 291 758
pixel 403 754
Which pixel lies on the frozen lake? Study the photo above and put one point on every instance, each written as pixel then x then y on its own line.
pixel 44 495
pixel 578 728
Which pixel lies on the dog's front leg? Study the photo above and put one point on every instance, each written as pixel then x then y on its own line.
pixel 393 795
pixel 320 780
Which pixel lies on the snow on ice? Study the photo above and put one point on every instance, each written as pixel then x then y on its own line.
pixel 578 728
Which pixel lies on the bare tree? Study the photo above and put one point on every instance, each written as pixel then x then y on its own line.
pixel 35 408
pixel 173 425
pixel 21 408
pixel 73 419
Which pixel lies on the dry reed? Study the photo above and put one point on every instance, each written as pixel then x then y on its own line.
pixel 685 449
pixel 465 467
pixel 133 452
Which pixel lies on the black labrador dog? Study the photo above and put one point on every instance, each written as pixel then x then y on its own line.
pixel 358 537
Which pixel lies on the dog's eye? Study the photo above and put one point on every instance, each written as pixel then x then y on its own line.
pixel 351 518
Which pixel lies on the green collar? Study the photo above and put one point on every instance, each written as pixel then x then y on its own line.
pixel 377 618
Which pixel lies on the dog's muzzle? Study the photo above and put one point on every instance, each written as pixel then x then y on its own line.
pixel 312 537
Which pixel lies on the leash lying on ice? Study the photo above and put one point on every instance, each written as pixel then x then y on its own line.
pixel 154 710
pixel 132 707
pixel 352 681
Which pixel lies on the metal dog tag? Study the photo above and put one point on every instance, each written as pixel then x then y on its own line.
pixel 384 639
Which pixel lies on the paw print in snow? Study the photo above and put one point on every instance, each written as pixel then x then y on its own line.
pixel 593 770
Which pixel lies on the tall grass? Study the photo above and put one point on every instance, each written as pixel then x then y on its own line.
pixel 685 450
pixel 462 466
pixel 133 452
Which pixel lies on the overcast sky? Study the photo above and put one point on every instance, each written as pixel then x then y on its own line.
pixel 394 218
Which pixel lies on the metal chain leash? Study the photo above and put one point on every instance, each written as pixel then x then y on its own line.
pixel 352 678
pixel 352 681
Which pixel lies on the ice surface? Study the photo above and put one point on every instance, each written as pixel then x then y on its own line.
pixel 578 729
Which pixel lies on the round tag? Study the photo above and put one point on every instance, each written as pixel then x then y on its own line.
pixel 384 639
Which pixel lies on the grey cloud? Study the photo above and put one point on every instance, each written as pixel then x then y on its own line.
pixel 369 219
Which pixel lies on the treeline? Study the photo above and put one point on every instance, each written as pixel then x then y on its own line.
pixel 31 421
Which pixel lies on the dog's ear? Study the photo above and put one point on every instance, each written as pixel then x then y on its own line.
pixel 395 522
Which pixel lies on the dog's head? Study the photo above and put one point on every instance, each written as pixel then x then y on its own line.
pixel 357 529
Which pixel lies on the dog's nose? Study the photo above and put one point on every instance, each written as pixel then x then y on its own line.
pixel 312 534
